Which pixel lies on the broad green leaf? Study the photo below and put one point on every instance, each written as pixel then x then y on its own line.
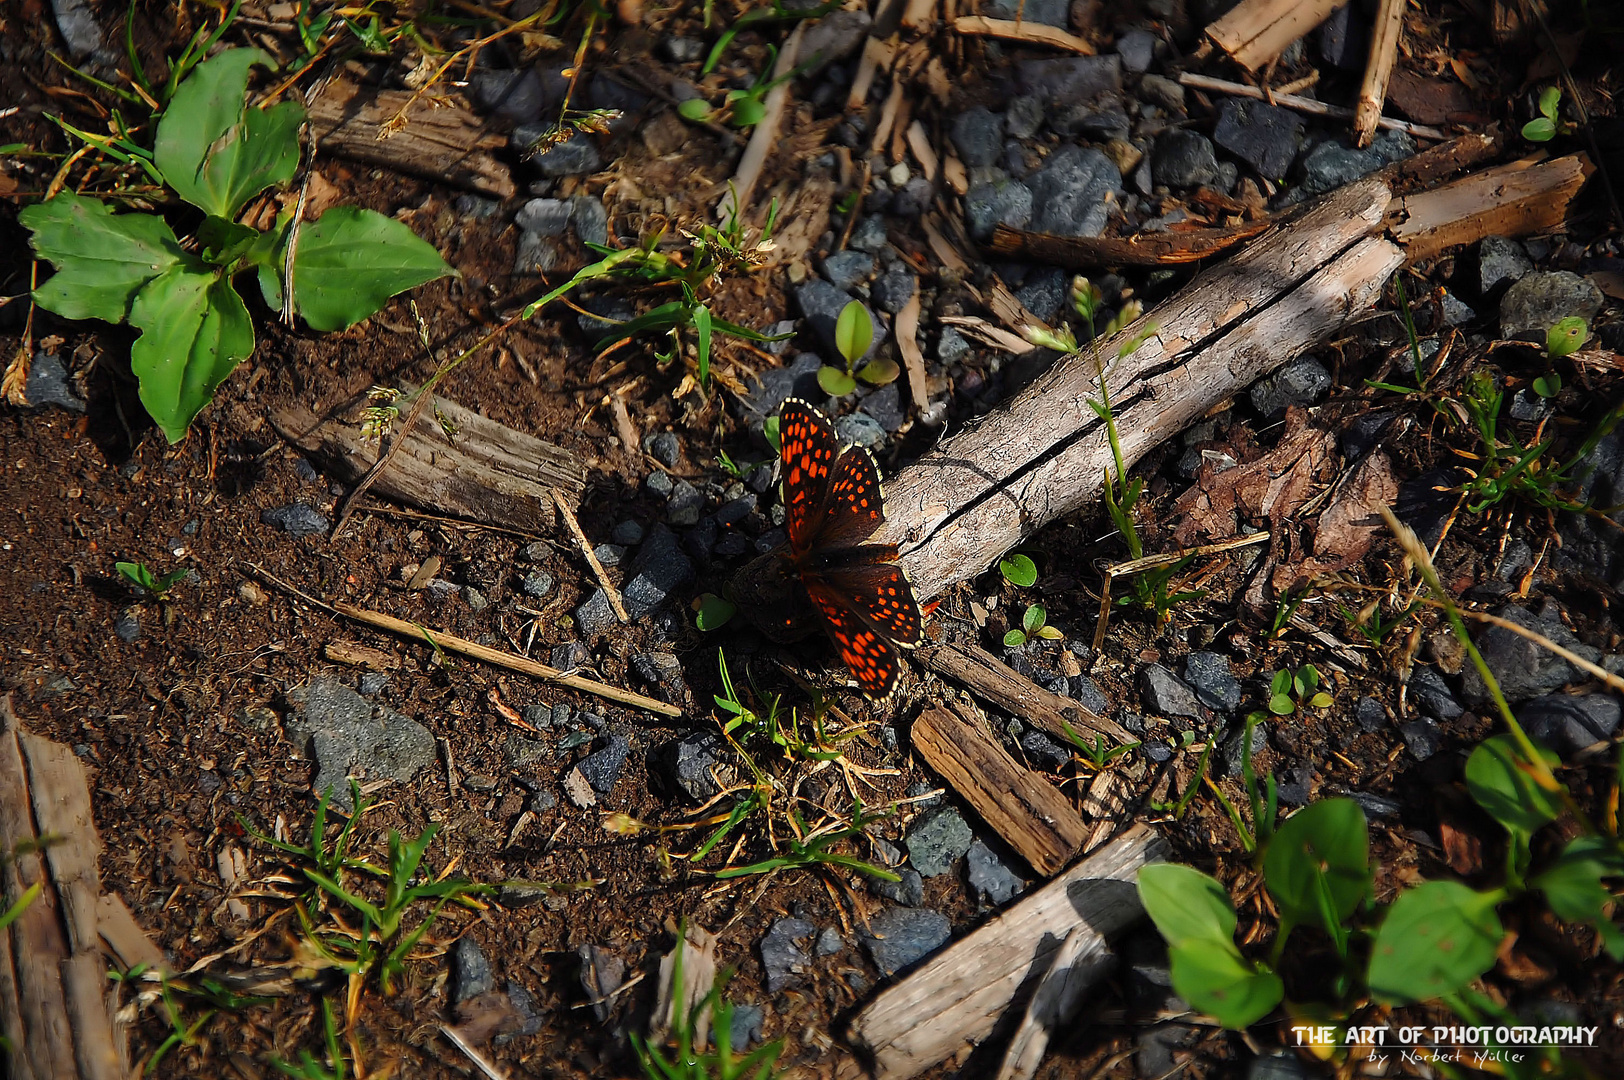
pixel 881 372
pixel 854 331
pixel 1327 842
pixel 225 241
pixel 835 383
pixel 1549 99
pixel 1050 633
pixel 1319 701
pixel 1548 385
pixel 1539 129
pixel 1281 683
pixel 1034 618
pixel 1185 904
pixel 137 574
pixel 1436 938
pixel 1281 705
pixel 1216 979
pixel 748 112
pixel 206 148
pixel 695 109
pixel 349 263
pixel 712 612
pixel 1573 888
pixel 1019 570
pixel 101 258
pixel 195 330
pixel 1014 639
pixel 1498 781
pixel 1564 338
pixel 769 431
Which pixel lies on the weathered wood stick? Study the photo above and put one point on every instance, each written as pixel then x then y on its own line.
pixel 736 203
pixel 1254 32
pixel 997 682
pixel 1028 33
pixel 957 997
pixel 448 144
pixel 1513 200
pixel 1146 249
pixel 1031 816
pixel 1383 52
pixel 1042 456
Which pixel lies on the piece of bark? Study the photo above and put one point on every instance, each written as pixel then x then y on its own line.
pixel 1513 200
pixel 955 999
pixel 877 56
pixel 1146 249
pixel 906 332
pixel 1001 685
pixel 1027 33
pixel 486 472
pixel 1267 490
pixel 1032 817
pixel 1254 32
pixel 920 14
pixel 1383 52
pixel 1425 169
pixel 355 654
pixel 698 976
pixel 122 937
pixel 978 494
pixel 923 151
pixel 448 144
pixel 1081 961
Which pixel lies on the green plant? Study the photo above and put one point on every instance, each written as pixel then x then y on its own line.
pixel 745 107
pixel 1289 690
pixel 1369 622
pixel 1034 625
pixel 712 612
pixel 1548 124
pixel 1018 570
pixel 1099 753
pixel 211 993
pixel 854 333
pixel 216 153
pixel 810 848
pixel 691 1061
pixel 308 1068
pixel 777 12
pixel 142 578
pixel 1564 338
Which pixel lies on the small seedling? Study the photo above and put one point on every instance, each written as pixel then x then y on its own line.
pixel 1034 625
pixel 1291 689
pixel 1548 124
pixel 691 1060
pixel 854 333
pixel 742 108
pixel 307 1067
pixel 1018 570
pixel 778 11
pixel 712 612
pixel 769 431
pixel 1098 753
pixel 156 588
pixel 810 848
pixel 1369 622
pixel 1566 337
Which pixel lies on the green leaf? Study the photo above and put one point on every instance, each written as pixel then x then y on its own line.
pixel 1014 639
pixel 695 109
pixel 1326 845
pixel 195 330
pixel 1217 980
pixel 137 574
pixel 1560 340
pixel 1436 938
pixel 1539 129
pixel 1550 99
pixel 1281 705
pixel 712 612
pixel 835 383
pixel 101 259
pixel 1548 385
pixel 769 431
pixel 213 150
pixel 749 112
pixel 1034 618
pixel 225 241
pixel 1019 570
pixel 880 372
pixel 1498 780
pixel 1185 904
pixel 1281 683
pixel 1573 888
pixel 1320 700
pixel 349 263
pixel 854 331
pixel 1050 633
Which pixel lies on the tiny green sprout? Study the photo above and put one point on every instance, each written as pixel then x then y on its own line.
pixel 1547 125
pixel 711 612
pixel 1566 337
pixel 769 431
pixel 1289 689
pixel 138 575
pixel 1548 385
pixel 854 333
pixel 1060 341
pixel 697 110
pixel 1086 298
pixel 1019 570
pixel 1034 625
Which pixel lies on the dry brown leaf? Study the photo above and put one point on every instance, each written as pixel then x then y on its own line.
pixel 1273 487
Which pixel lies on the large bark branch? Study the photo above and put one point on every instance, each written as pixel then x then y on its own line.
pixel 1043 456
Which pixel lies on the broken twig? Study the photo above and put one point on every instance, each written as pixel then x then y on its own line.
pixel 1304 105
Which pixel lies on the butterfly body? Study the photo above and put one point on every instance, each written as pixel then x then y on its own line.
pixel 828 570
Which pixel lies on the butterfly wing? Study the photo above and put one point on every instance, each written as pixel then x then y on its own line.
pixel 873 661
pixel 854 509
pixel 808 449
pixel 879 593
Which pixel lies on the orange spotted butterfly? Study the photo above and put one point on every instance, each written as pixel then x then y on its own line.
pixel 832 504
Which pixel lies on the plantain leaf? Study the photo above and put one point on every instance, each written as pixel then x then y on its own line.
pixel 349 263
pixel 194 331
pixel 102 259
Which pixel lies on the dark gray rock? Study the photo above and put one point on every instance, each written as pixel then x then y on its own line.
pixel 576 156
pixel 470 972
pixel 1364 431
pixel 664 447
pixel 783 961
pixel 1500 261
pixel 1068 80
pixel 951 346
pixel 829 942
pixel 979 136
pixel 895 288
pixel 910 890
pixel 602 973
pixel 687 764
pixel 1161 91
pixel 848 269
pixel 1541 299
pixel 1166 694
pixel 685 504
pixel 1432 693
pixel 1370 714
pixel 128 625
pixel 735 511
pixel 1183 159
pixel 1024 117
pixel 537 584
pixel 1044 292
pixel 345 734
pixel 1330 164
pixel 1455 311
pixel 1264 136
pixel 999 202
pixel 590 220
pixel 1088 694
pixel 48 384
pixel 900 937
pixel 1042 750
pixel 1523 669
pixel 601 768
pixel 822 304
pixel 627 533
pixel 914 198
pixel 659 570
pixel 1421 738
pixel 1344 38
pixel 1301 382
pixel 528 1011
pixel 989 878
pixel 76 19
pixel 1425 502
pixel 1233 750
pixel 520 95
pixel 544 217
pixel 1098 122
pixel 860 429
pixel 769 389
pixel 833 38
pixel 1068 194
pixel 1375 805
pixel 1048 12
pixel 1214 684
pixel 296 519
pixel 1137 49
pixel 885 407
pixel 936 839
pixel 371 682
pixel 1569 723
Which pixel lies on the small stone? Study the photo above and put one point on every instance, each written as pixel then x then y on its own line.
pixel 822 304
pixel 576 156
pixel 544 217
pixel 860 429
pixel 590 220
pixel 951 346
pixel 1541 299
pixel 1137 49
pixel 988 876
pixel 829 942
pixel 602 973
pixel 834 37
pixel 1162 91
pixel 1232 752
pixel 660 483
pixel 1433 694
pixel 1042 750
pixel 470 972
pixel 687 764
pixel 627 534
pixel 1523 669
pixel 296 519
pixel 1166 694
pixel 1500 261
pixel 1455 311
pixel 783 962
pixel 884 406
pixel 48 384
pixel 663 447
pixel 1375 805
pixel 900 937
pixel 537 584
pixel 895 288
pixel 1300 382
pixel 343 732
pixel 1344 38
pixel 1044 292
pixel 848 269
pixel 1000 202
pixel 910 890
pixel 1071 195
pixel 746 1029
pixel 1264 136
pixel 1024 117
pixel 536 551
pixel 1214 684
pixel 659 569
pixel 474 599
pixel 1183 159
pixel 683 50
pixel 936 840
pixel 1048 12
pixel 685 504
pixel 1370 714
pixel 1088 694
pixel 371 682
pixel 128 625
pixel 870 234
pixel 1421 738
pixel 609 554
pixel 978 134
pixel 1570 723
pixel 1066 80
pixel 601 768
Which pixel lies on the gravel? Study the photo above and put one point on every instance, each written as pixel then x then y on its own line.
pixel 1166 694
pixel 345 735
pixel 936 840
pixel 900 937
pixel 296 519
pixel 989 878
pixel 783 961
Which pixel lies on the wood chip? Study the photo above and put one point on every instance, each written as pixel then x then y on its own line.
pixel 1001 685
pixel 906 333
pixel 1304 105
pixel 920 14
pixel 957 178
pixel 877 57
pixel 578 790
pixel 1514 200
pixel 1383 52
pixel 1255 32
pixel 1145 249
pixel 923 152
pixel 888 117
pixel 363 656
pixel 1029 33
pixel 448 144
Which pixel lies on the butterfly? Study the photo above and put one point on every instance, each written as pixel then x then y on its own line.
pixel 832 504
